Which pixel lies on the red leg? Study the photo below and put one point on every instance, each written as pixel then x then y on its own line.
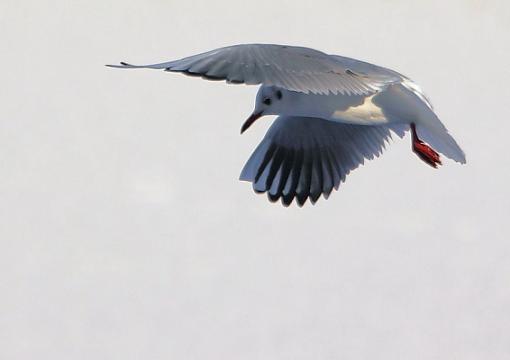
pixel 424 152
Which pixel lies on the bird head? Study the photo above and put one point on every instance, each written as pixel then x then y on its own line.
pixel 269 101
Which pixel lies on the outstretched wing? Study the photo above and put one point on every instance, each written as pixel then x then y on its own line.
pixel 305 157
pixel 290 67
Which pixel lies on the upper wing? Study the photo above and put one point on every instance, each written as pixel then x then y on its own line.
pixel 290 67
pixel 305 157
pixel 376 73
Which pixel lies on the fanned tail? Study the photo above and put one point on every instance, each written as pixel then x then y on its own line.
pixel 436 135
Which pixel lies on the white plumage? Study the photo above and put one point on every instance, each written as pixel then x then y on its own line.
pixel 335 112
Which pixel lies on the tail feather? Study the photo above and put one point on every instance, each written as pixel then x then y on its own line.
pixel 439 139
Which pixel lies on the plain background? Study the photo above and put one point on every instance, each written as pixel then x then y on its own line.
pixel 125 233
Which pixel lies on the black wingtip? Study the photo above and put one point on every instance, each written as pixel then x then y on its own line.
pixel 122 65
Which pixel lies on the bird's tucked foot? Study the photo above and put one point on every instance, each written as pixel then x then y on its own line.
pixel 424 152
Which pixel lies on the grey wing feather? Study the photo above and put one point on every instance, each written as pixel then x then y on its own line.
pixel 375 73
pixel 302 158
pixel 289 67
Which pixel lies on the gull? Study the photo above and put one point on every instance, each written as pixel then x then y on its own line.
pixel 333 113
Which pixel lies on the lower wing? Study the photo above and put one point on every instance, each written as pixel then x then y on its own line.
pixel 303 157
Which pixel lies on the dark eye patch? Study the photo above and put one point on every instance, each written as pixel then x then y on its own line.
pixel 267 101
pixel 279 94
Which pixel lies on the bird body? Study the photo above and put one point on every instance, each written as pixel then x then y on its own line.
pixel 368 109
pixel 334 112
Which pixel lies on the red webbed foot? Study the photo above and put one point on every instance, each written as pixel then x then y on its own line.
pixel 424 152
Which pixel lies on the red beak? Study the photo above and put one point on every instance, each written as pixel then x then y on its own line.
pixel 250 121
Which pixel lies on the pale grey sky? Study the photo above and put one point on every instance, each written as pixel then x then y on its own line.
pixel 125 234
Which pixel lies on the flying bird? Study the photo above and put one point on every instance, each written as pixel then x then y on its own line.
pixel 333 113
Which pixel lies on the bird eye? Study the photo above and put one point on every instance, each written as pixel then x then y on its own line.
pixel 279 94
pixel 267 101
